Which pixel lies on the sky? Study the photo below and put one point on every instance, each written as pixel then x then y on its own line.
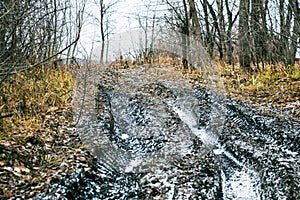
pixel 124 26
pixel 121 19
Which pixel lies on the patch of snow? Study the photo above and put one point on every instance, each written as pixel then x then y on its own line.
pixel 132 164
pixel 202 134
pixel 242 185
pixel 124 136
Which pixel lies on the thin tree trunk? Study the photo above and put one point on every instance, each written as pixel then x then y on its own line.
pixel 102 30
pixel 229 54
pixel 185 38
pixel 208 35
pixel 296 32
pixel 222 33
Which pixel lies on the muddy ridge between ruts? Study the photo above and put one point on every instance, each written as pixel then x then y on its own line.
pixel 155 136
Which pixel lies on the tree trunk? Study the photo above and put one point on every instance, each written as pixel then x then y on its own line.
pixel 222 32
pixel 185 38
pixel 265 38
pixel 244 38
pixel 208 35
pixel 255 31
pixel 195 20
pixel 229 54
pixel 296 32
pixel 102 10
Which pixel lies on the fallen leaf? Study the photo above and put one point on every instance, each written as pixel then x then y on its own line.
pixel 82 159
pixel 7 193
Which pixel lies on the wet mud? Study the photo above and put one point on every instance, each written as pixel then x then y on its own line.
pixel 161 138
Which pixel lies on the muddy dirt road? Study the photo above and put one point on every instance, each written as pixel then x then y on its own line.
pixel 156 136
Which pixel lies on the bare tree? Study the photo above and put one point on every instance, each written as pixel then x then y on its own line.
pixel 180 20
pixel 260 30
pixel 244 36
pixel 232 15
pixel 289 30
pixel 208 39
pixel 35 33
pixel 196 27
pixel 105 10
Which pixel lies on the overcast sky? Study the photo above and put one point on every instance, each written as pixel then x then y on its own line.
pixel 121 19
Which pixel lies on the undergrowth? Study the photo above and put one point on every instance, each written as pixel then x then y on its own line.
pixel 27 97
pixel 279 85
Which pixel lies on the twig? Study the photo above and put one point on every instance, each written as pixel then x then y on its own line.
pixel 5 116
pixel 41 62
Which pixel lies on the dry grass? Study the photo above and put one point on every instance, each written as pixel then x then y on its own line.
pixel 29 96
pixel 278 86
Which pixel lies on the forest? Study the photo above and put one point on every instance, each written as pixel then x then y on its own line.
pixel 211 90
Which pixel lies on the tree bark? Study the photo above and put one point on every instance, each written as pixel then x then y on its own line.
pixel 102 10
pixel 244 38
pixel 208 35
pixel 195 20
pixel 185 38
pixel 296 32
pixel 221 19
pixel 229 54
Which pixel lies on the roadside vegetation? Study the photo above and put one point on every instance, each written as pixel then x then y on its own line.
pixel 26 98
pixel 38 139
pixel 277 85
pixel 37 131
